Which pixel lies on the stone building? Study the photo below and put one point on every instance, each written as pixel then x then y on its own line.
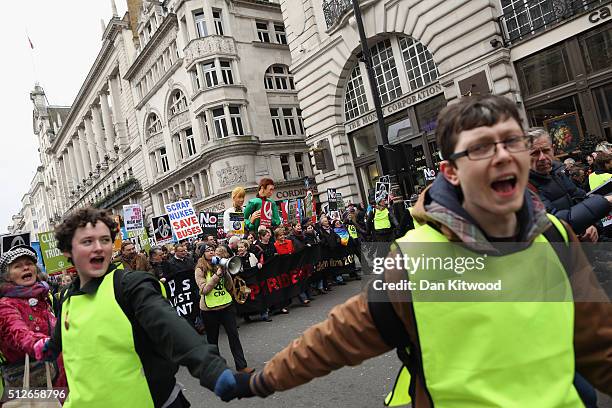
pixel 429 53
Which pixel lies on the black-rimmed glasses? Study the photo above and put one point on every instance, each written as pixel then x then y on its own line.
pixel 486 150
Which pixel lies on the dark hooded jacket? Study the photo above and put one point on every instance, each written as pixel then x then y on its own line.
pixel 566 201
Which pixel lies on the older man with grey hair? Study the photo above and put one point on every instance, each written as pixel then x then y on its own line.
pixel 560 196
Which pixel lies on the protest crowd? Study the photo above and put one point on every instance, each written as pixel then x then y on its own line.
pixel 259 259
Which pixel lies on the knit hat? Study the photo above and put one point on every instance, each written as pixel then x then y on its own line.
pixel 14 253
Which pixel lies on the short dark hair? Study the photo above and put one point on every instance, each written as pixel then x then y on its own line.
pixel 79 219
pixel 601 160
pixel 470 113
pixel 126 243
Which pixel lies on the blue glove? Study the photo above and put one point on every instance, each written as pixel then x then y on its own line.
pixel 225 387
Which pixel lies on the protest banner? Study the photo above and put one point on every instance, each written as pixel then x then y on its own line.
pixel 209 221
pixel 132 217
pixel 53 258
pixel 140 239
pixel 182 217
pixel 332 197
pixel 265 217
pixel 382 191
pixel 9 241
pixel 41 264
pixel 162 231
pixel 236 223
pixel 183 295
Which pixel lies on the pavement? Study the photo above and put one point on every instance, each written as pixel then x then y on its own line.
pixel 363 386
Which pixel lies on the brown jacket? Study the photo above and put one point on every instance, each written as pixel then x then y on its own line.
pixel 350 335
pixel 207 283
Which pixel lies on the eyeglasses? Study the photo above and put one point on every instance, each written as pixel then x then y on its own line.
pixel 483 151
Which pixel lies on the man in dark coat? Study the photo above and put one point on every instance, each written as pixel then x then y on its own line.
pixel 559 194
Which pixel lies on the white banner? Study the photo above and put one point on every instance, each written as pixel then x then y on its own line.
pixel 132 217
pixel 183 219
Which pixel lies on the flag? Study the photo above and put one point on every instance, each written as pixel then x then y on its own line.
pixel 30 41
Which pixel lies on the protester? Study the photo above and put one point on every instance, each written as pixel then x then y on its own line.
pixel 252 212
pixel 296 236
pixel 122 341
pixel 559 194
pixel 248 259
pixel 283 246
pixel 157 262
pixel 381 223
pixel 478 199
pixel 602 170
pixel 232 244
pixel 579 178
pixel 263 249
pixel 26 318
pixel 211 240
pixel 330 242
pixel 216 304
pixel 238 195
pixel 181 262
pixel 131 260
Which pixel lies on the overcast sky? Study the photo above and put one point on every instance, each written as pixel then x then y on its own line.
pixel 66 35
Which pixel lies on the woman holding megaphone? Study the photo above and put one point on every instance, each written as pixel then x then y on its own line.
pixel 216 286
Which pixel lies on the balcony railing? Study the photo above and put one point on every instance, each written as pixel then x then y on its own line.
pixel 123 190
pixel 333 10
pixel 524 18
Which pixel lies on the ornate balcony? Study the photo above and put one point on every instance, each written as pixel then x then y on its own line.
pixel 179 120
pixel 122 191
pixel 333 10
pixel 201 48
pixel 524 18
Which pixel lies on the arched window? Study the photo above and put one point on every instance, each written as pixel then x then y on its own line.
pixel 154 125
pixel 420 67
pixel 279 78
pixel 178 103
pixel 355 102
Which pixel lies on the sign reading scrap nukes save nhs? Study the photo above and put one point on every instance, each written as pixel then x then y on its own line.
pixel 183 219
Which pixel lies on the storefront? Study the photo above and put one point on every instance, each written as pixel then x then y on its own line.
pixel 567 87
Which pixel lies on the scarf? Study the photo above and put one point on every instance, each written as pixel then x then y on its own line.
pixel 38 290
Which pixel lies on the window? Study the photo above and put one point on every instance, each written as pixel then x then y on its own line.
pixel 197 85
pixel 191 147
pixel 178 103
pixel 220 123
pixel 153 124
pixel 276 122
pixel 278 77
pixel 210 74
pixel 420 67
pixel 385 71
pixel 204 126
pixel 289 121
pixel 226 72
pixel 154 163
pixel 284 159
pixel 262 31
pixel 236 120
pixel 544 70
pixel 596 49
pixel 279 31
pixel 179 146
pixel 200 23
pixel 299 164
pixel 355 102
pixel 218 21
pixel 164 160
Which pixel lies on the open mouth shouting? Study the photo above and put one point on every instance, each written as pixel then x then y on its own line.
pixel 505 185
pixel 28 277
pixel 97 262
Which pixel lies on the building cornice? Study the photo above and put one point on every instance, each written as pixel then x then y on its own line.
pixel 257 4
pixel 113 28
pixel 170 21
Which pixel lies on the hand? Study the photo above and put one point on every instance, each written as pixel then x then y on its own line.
pixel 255 216
pixel 41 347
pixel 609 198
pixel 163 280
pixel 233 385
pixel 259 265
pixel 590 235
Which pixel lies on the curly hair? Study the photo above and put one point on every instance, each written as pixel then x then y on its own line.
pixel 64 232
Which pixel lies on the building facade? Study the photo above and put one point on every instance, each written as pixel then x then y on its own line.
pixel 186 99
pixel 426 54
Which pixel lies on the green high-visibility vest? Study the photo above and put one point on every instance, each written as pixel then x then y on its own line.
pixel 596 180
pixel 352 231
pixel 381 219
pixel 102 366
pixel 494 344
pixel 219 296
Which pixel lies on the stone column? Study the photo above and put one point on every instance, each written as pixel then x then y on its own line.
pixel 306 164
pixel 88 147
pixel 246 122
pixel 109 129
pixel 76 154
pixel 293 166
pixel 210 123
pixel 98 132
pixel 228 119
pixel 67 170
pixel 218 71
pixel 118 119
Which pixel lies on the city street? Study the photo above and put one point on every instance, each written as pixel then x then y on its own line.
pixel 363 386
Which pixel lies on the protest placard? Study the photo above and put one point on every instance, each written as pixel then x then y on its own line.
pixel 183 219
pixel 54 260
pixel 132 217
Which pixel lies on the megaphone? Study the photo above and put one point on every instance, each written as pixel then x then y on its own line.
pixel 233 265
